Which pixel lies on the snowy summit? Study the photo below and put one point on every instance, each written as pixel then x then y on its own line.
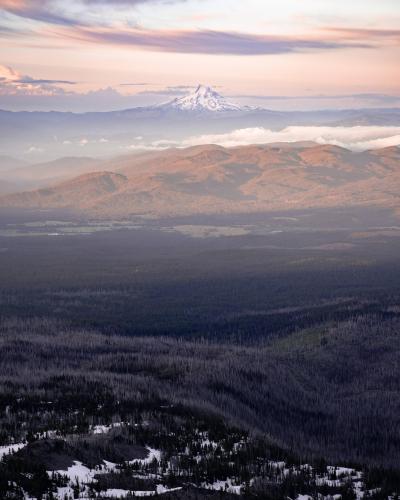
pixel 202 99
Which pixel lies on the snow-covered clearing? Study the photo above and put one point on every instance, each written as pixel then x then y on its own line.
pixel 227 486
pixel 10 448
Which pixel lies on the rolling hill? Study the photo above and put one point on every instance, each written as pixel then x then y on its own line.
pixel 213 179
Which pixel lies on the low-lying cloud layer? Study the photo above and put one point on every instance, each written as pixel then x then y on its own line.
pixel 356 138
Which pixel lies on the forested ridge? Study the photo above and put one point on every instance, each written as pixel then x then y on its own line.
pixel 152 363
pixel 326 393
pixel 329 391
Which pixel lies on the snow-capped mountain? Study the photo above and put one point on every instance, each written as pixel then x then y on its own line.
pixel 202 99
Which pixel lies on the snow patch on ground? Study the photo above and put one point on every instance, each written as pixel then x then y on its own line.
pixel 105 429
pixel 10 448
pixel 153 454
pixel 118 493
pixel 227 486
pixel 82 474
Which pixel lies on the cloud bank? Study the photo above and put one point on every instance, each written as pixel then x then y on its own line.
pixel 357 138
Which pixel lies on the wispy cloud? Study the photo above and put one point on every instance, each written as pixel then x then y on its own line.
pixel 127 2
pixel 134 84
pixel 381 98
pixel 37 10
pixel 173 91
pixel 204 41
pixel 34 81
pixel 77 20
pixel 364 33
pixel 51 12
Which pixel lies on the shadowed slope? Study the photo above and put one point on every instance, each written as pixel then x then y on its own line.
pixel 88 187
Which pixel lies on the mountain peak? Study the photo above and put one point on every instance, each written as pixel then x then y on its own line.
pixel 203 89
pixel 204 98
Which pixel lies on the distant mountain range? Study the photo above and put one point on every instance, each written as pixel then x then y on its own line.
pixel 212 179
pixel 44 136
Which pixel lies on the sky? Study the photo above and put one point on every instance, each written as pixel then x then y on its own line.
pixel 82 55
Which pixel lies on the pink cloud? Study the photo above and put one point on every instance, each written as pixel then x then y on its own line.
pixel 14 83
pixel 204 41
